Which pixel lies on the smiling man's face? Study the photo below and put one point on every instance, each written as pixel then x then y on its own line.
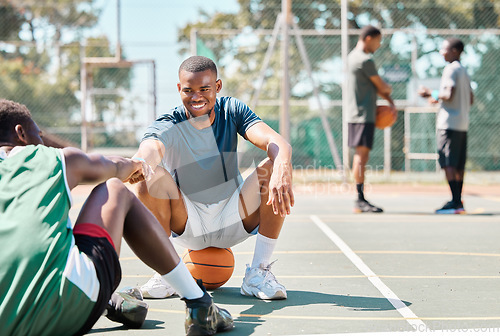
pixel 198 91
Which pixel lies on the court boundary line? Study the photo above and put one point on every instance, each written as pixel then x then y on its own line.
pixel 395 301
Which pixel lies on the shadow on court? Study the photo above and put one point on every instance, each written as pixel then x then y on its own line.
pixel 148 325
pixel 414 213
pixel 254 316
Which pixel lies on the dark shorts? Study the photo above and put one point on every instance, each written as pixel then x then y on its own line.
pixel 360 134
pixel 452 148
pixel 95 242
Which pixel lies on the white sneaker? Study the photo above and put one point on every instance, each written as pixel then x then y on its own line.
pixel 157 288
pixel 260 282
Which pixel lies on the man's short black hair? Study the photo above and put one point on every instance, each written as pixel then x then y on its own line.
pixel 198 64
pixel 12 114
pixel 455 43
pixel 369 31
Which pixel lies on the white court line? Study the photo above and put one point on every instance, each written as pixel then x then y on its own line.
pixel 402 309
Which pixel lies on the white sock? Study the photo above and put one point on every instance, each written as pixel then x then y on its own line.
pixel 181 280
pixel 264 248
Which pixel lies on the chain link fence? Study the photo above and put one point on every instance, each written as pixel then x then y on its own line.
pixel 409 56
pixel 42 47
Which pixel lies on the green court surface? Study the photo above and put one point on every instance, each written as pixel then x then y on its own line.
pixel 401 271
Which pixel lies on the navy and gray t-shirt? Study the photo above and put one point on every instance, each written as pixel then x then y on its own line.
pixel 204 162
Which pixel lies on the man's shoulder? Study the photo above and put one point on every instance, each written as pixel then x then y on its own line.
pixel 31 151
pixel 453 69
pixel 175 115
pixel 359 59
pixel 455 66
pixel 232 106
pixel 230 103
pixel 359 54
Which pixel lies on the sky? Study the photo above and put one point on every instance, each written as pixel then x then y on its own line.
pixel 149 31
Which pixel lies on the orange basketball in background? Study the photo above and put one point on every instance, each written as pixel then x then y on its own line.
pixel 384 117
pixel 214 266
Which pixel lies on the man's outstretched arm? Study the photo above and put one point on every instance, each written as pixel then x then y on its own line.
pixel 82 167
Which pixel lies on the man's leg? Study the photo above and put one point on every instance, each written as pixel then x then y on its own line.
pixel 455 178
pixel 253 198
pixel 112 206
pixel 360 159
pixel 460 179
pixel 162 196
pixel 254 211
pixel 452 149
pixel 359 162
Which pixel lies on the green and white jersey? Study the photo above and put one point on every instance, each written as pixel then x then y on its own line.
pixel 47 287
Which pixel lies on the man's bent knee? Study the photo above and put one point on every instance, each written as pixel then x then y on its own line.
pixel 116 186
pixel 264 169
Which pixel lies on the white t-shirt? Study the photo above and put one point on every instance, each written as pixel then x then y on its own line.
pixel 454 114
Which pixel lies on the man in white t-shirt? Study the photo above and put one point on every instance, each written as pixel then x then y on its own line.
pixel 456 97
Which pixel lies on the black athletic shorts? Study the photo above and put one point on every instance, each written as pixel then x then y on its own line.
pixel 98 247
pixel 452 148
pixel 360 134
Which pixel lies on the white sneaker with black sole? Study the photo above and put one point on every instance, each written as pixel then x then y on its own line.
pixel 261 283
pixel 157 288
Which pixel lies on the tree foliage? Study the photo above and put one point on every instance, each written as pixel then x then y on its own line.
pixel 41 56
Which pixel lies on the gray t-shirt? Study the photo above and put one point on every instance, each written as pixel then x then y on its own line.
pixel 454 114
pixel 361 92
pixel 204 163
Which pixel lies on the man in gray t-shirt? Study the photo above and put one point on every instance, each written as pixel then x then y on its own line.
pixel 363 86
pixel 452 121
pixel 197 192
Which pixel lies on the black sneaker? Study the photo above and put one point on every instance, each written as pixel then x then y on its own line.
pixel 365 206
pixel 127 309
pixel 451 208
pixel 203 317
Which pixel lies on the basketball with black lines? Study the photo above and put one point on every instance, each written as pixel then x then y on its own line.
pixel 213 265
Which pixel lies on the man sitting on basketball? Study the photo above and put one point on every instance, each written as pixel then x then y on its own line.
pixel 197 192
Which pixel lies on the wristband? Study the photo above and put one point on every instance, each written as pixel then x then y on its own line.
pixel 138 159
pixel 435 94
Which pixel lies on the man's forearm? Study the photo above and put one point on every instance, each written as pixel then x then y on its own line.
pixel 279 151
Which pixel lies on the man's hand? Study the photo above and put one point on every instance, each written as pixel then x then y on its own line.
pixel 144 174
pixel 130 169
pixel 281 196
pixel 424 92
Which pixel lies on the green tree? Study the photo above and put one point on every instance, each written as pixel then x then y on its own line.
pixel 11 21
pixel 40 60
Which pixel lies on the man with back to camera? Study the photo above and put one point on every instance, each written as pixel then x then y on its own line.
pixel 363 86
pixel 58 278
pixel 197 192
pixel 452 121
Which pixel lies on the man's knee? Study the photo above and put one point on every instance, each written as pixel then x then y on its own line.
pixel 265 169
pixel 117 187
